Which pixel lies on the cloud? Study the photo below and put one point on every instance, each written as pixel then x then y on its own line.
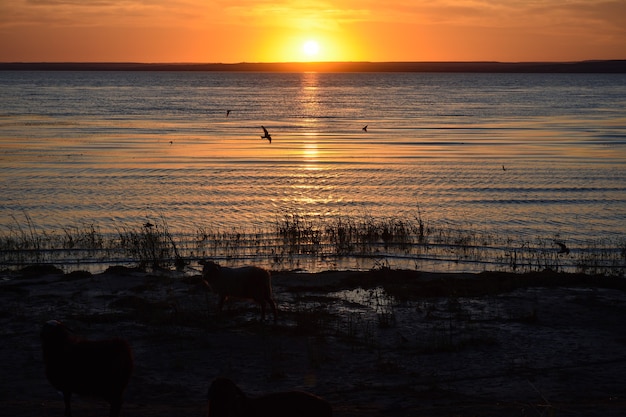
pixel 95 13
pixel 296 14
pixel 495 13
pixel 308 14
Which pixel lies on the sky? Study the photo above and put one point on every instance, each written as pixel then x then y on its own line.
pixel 233 31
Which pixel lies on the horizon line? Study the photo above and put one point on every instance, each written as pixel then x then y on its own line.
pixel 480 61
pixel 595 65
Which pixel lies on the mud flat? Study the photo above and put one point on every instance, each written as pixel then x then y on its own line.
pixel 377 343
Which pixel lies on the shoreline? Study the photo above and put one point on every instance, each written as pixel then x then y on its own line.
pixel 373 343
pixel 593 66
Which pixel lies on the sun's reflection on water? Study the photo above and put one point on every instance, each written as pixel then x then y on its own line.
pixel 310 156
pixel 309 100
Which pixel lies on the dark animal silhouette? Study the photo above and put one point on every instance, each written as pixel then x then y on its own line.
pixel 98 368
pixel 225 399
pixel 365 128
pixel 249 282
pixel 562 247
pixel 227 113
pixel 266 134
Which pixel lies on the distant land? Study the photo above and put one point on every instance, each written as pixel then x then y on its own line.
pixel 603 66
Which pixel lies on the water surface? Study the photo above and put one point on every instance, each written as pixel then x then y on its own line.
pixel 520 155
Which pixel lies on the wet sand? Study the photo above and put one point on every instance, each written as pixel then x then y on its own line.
pixel 377 343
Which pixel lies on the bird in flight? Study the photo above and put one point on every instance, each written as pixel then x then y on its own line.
pixel 365 128
pixel 227 113
pixel 266 134
pixel 563 249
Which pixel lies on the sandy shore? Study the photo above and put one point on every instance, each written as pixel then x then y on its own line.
pixel 378 343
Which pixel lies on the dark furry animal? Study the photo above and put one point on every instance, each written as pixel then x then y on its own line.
pixel 249 282
pixel 97 368
pixel 227 400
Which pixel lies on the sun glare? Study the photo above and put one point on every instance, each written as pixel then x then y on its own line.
pixel 311 48
pixel 308 48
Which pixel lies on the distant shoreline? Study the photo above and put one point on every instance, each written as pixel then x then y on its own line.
pixel 599 66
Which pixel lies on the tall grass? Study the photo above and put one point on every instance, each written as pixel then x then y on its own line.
pixel 151 245
pixel 295 241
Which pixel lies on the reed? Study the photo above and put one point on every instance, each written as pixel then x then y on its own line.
pixel 298 241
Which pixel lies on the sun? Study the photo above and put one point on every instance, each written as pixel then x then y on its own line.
pixel 311 48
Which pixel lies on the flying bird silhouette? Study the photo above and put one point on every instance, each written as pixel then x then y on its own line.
pixel 227 113
pixel 365 128
pixel 266 134
pixel 564 249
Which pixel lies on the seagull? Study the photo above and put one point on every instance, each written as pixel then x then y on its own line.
pixel 365 128
pixel 227 113
pixel 564 249
pixel 266 134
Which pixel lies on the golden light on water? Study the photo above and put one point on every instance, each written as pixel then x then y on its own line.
pixel 310 154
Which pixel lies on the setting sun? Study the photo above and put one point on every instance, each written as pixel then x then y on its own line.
pixel 311 48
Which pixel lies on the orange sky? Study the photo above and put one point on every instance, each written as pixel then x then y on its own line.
pixel 230 31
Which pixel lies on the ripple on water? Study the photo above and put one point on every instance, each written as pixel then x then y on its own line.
pixel 436 147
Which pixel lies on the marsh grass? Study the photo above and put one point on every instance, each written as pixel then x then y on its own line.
pixel 295 241
pixel 151 245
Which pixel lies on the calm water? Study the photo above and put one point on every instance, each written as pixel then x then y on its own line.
pixel 515 154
